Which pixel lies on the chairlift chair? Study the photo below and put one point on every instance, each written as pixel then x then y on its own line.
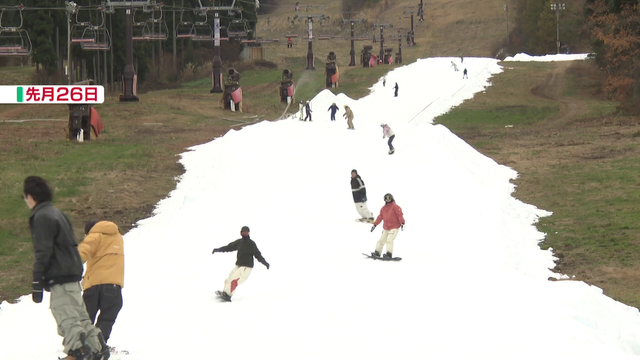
pixel 184 29
pixel 14 42
pixel 238 28
pixel 155 28
pixel 201 30
pixel 96 38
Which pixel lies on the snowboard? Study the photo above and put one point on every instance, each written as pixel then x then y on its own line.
pixel 222 296
pixel 392 151
pixel 382 258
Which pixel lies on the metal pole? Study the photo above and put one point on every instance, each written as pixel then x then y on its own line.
pixel 558 29
pixel 175 52
pixel 310 49
pixel 129 71
pixel 68 48
pixel 217 60
pixel 399 59
pixel 381 44
pixel 506 9
pixel 413 39
pixel 353 50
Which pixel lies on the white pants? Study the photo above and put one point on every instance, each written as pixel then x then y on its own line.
pixel 387 238
pixel 238 275
pixel 363 210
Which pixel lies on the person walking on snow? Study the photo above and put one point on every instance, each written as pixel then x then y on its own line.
pixel 393 219
pixel 247 250
pixel 300 107
pixel 333 109
pixel 387 132
pixel 395 88
pixel 360 197
pixel 455 67
pixel 307 108
pixel 103 251
pixel 464 74
pixel 58 268
pixel 349 115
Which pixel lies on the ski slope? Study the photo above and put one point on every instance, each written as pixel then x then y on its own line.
pixel 473 282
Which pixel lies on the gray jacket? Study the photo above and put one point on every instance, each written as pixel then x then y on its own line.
pixel 57 260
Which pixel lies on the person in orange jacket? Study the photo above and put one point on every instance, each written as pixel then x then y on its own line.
pixel 393 219
pixel 103 251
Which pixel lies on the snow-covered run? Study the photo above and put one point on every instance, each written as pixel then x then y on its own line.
pixel 473 282
pixel 547 58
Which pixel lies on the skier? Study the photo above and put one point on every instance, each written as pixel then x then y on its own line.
pixel 393 219
pixel 395 88
pixel 464 74
pixel 58 268
pixel 349 115
pixel 247 250
pixel 300 107
pixel 387 132
pixel 307 108
pixel 455 67
pixel 103 251
pixel 333 109
pixel 360 197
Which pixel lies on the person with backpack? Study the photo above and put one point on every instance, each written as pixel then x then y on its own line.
pixel 391 215
pixel 247 250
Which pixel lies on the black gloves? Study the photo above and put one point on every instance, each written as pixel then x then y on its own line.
pixel 36 294
pixel 402 227
pixel 265 263
pixel 373 228
pixel 215 251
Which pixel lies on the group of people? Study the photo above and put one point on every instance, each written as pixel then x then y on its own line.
pixel 58 269
pixel 390 215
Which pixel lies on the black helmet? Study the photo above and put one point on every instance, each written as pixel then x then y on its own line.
pixel 388 198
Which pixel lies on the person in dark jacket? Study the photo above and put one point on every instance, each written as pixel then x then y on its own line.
pixel 360 197
pixel 333 109
pixel 247 250
pixel 395 88
pixel 58 269
pixel 307 109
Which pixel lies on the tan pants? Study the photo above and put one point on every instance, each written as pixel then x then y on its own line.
pixel 350 123
pixel 238 275
pixel 363 210
pixel 72 318
pixel 387 238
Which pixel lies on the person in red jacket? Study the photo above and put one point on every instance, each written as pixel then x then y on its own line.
pixel 391 214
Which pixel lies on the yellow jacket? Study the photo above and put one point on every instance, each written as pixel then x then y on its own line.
pixel 103 251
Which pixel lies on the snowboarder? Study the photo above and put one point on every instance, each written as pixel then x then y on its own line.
pixel 348 114
pixel 464 74
pixel 393 219
pixel 360 197
pixel 300 111
pixel 247 250
pixel 103 251
pixel 395 88
pixel 384 81
pixel 307 109
pixel 455 67
pixel 387 132
pixel 58 269
pixel 333 109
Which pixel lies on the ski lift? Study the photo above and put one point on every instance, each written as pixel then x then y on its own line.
pixel 96 37
pixel 184 29
pixel 201 30
pixel 14 41
pixel 238 28
pixel 137 28
pixel 78 29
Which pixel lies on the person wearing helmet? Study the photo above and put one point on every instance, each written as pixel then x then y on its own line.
pixel 333 109
pixel 247 250
pixel 387 132
pixel 359 192
pixel 349 115
pixel 391 215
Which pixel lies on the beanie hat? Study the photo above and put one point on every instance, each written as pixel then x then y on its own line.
pixel 244 228
pixel 89 225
